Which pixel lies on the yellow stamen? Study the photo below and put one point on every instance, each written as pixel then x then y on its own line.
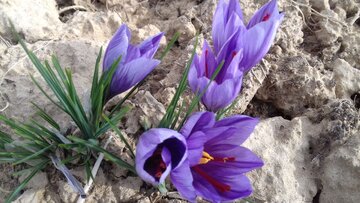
pixel 205 158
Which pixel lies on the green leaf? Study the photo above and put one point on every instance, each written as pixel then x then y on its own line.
pixel 22 131
pixel 33 156
pixel 46 117
pixel 169 45
pixel 36 169
pixel 5 138
pixel 116 129
pixel 114 119
pixel 106 153
pixel 169 115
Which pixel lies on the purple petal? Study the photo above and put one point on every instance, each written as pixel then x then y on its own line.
pixel 207 64
pixel 149 142
pixel 265 13
pixel 193 76
pixel 238 185
pixel 183 181
pixel 256 42
pixel 231 71
pixel 196 122
pixel 133 52
pixel 232 130
pixel 222 16
pixel 245 123
pixel 240 159
pixel 130 74
pixel 195 143
pixel 196 84
pixel 149 47
pixel 219 96
pixel 117 47
pixel 225 135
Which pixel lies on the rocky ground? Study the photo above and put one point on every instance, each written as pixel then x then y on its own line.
pixel 306 91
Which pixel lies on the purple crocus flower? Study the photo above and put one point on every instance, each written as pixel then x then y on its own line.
pixel 231 35
pixel 239 46
pixel 159 151
pixel 216 164
pixel 136 63
pixel 226 85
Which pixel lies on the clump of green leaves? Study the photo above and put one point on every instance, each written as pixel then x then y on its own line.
pixel 39 145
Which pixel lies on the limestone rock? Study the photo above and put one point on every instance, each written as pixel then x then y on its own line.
pixel 347 79
pixel 18 88
pixel 94 26
pixel 38 20
pixel 283 145
pixel 341 172
pixel 296 85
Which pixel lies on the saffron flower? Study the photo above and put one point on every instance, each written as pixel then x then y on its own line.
pixel 226 85
pixel 216 164
pixel 231 35
pixel 136 60
pixel 159 151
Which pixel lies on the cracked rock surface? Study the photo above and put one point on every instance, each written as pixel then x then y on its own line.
pixel 306 91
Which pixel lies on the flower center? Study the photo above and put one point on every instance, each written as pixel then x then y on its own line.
pixel 205 158
pixel 218 185
pixel 155 165
pixel 266 17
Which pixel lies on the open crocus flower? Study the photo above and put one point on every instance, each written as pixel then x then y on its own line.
pixel 226 85
pixel 216 164
pixel 159 151
pixel 136 63
pixel 231 35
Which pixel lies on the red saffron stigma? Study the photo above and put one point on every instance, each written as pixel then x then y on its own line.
pixel 206 63
pixel 159 164
pixel 266 17
pixel 233 54
pixel 218 185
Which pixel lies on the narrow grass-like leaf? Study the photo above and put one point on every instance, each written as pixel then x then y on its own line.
pixel 46 117
pixel 46 94
pixel 222 112
pixel 169 45
pixel 36 169
pixel 116 129
pixel 118 106
pixel 169 115
pixel 95 79
pixel 114 119
pixel 5 138
pixel 106 153
pixel 20 129
pixel 88 171
pixel 33 156
pixel 177 116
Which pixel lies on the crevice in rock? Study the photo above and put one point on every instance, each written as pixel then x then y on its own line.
pixel 316 198
pixel 356 99
pixel 357 22
pixel 263 109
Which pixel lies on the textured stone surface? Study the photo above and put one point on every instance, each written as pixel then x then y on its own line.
pixel 284 147
pixel 310 75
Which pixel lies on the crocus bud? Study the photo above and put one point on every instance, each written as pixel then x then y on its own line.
pixel 223 90
pixel 136 60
